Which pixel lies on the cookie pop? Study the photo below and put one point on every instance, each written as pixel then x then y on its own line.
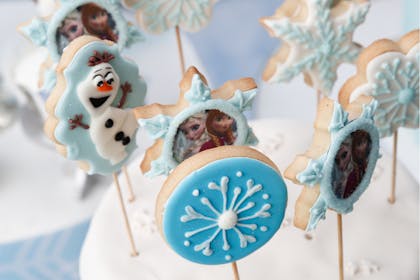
pixel 317 37
pixel 89 111
pixel 388 72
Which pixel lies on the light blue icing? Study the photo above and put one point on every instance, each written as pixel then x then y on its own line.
pixel 78 141
pixel 161 15
pixel 396 88
pixel 168 129
pixel 43 33
pixel 319 171
pixel 156 127
pixel 328 45
pixel 225 210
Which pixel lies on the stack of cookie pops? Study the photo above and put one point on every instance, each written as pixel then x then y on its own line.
pixel 218 201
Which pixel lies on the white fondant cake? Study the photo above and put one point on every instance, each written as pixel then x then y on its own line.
pixel 380 240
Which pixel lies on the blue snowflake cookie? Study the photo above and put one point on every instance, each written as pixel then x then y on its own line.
pixel 224 209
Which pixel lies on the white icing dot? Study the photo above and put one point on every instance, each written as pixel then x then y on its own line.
pixel 228 257
pixel 263 228
pixel 265 196
pixel 239 174
pixel 187 243
pixel 195 192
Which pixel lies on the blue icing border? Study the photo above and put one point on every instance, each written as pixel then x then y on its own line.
pixel 319 171
pixel 78 142
pixel 194 187
pixel 166 127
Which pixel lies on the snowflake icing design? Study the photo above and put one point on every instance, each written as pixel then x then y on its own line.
pixel 158 16
pixel 319 44
pixel 394 83
pixel 230 216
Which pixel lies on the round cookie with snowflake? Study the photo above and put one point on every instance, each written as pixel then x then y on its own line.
pixel 388 71
pixel 317 37
pixel 221 205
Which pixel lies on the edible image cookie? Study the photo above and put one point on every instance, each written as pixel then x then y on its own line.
pixel 89 108
pixel 221 205
pixel 72 19
pixel 202 119
pixel 157 16
pixel 388 71
pixel 337 168
pixel 317 37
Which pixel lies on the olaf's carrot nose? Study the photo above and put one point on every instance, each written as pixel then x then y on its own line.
pixel 104 87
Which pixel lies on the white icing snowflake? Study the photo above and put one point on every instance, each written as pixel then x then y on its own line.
pixel 230 216
pixel 393 80
pixel 157 16
pixel 318 45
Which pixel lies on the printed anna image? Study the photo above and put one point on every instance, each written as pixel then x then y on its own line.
pixel 220 128
pixel 350 163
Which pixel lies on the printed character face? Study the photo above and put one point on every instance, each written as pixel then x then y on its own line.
pixel 361 148
pixel 193 128
pixel 99 89
pixel 72 29
pixel 361 145
pixel 343 157
pixel 221 123
pixel 98 21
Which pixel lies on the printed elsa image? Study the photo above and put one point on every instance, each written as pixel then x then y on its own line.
pixel 351 162
pixel 98 22
pixel 71 28
pixel 221 129
pixel 190 137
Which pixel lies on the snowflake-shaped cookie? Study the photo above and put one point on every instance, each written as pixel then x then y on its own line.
pixel 339 166
pixel 388 71
pixel 317 38
pixel 157 16
pixel 223 209
pixel 169 125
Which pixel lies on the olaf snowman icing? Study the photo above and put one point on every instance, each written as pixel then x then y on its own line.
pixel 90 108
pixel 111 128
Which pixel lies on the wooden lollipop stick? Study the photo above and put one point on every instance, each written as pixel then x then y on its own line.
pixel 180 51
pixel 340 246
pixel 235 271
pixel 318 97
pixel 134 251
pixel 131 196
pixel 391 198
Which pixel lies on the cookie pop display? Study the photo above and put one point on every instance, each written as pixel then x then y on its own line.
pixel 388 71
pixel 90 116
pixel 72 19
pixel 337 168
pixel 221 205
pixel 317 38
pixel 201 119
pixel 157 16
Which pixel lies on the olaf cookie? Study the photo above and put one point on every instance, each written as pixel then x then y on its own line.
pixel 157 16
pixel 317 37
pixel 388 71
pixel 221 205
pixel 202 119
pixel 90 109
pixel 337 168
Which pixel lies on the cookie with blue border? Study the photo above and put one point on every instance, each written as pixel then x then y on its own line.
pixel 337 168
pixel 90 110
pixel 72 19
pixel 221 205
pixel 388 72
pixel 201 119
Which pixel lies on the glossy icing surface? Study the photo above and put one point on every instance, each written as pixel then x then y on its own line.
pixel 225 210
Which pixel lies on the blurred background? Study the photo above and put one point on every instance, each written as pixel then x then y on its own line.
pixel 46 202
